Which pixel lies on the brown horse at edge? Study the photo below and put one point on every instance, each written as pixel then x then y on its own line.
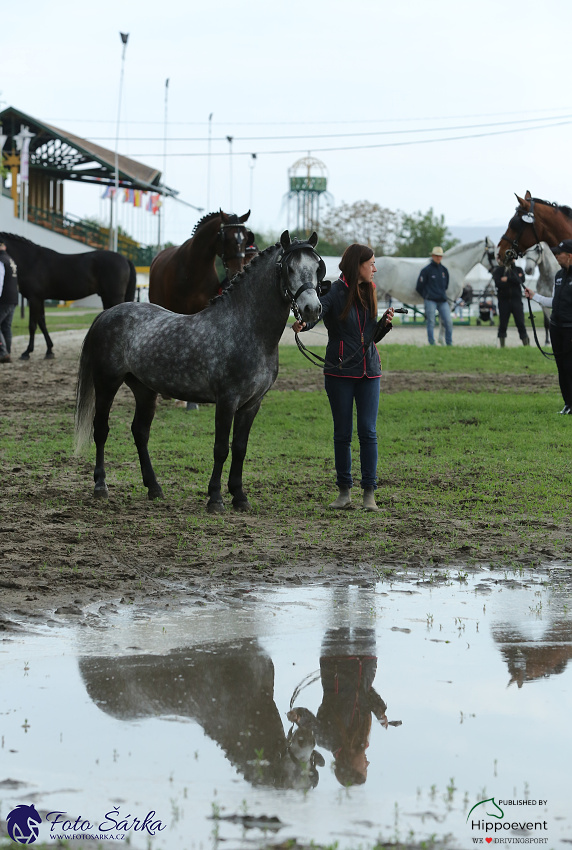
pixel 184 279
pixel 534 221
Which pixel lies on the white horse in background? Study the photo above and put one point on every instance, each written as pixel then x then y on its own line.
pixel 398 276
pixel 541 257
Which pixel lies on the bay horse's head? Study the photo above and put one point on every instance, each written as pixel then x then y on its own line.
pixel 520 233
pixel 300 271
pixel 534 221
pixel 232 240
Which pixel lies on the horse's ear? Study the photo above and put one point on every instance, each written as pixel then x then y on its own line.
pixel 244 217
pixel 521 201
pixel 285 239
pixel 249 237
pixel 313 240
pixel 223 216
pixel 528 196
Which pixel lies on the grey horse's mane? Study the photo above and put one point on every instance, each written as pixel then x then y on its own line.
pixel 247 270
pixel 462 247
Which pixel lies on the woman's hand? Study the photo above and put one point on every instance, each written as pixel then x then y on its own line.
pixel 387 317
pixel 529 292
pixel 298 326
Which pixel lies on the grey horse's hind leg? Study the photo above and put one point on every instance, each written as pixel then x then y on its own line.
pixel 145 401
pixel 223 423
pixel 243 420
pixel 104 395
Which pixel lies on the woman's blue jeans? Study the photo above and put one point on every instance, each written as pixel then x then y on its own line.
pixel 342 392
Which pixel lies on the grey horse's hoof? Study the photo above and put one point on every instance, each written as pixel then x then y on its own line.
pixel 155 492
pixel 101 492
pixel 192 405
pixel 244 505
pixel 215 507
pixel 49 355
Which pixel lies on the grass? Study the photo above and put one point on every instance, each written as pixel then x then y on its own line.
pixel 57 319
pixel 449 463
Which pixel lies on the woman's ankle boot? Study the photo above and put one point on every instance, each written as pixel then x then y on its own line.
pixel 369 499
pixel 343 500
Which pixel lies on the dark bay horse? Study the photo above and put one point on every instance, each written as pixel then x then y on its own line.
pixel 43 274
pixel 184 279
pixel 227 355
pixel 534 221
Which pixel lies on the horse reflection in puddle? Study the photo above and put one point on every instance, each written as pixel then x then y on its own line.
pixel 529 659
pixel 228 688
pixel 342 724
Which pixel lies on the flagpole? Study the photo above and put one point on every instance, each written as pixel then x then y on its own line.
pixel 161 222
pixel 124 39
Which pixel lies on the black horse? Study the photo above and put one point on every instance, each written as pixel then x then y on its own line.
pixel 227 355
pixel 43 273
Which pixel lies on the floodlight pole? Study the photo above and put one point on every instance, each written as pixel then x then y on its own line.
pixel 252 164
pixel 209 164
pixel 124 39
pixel 229 140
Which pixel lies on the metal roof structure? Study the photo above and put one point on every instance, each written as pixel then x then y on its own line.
pixel 64 156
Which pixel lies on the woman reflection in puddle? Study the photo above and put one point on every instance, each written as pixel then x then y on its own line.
pixel 343 721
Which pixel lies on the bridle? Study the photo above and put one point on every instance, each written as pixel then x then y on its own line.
pixel 241 240
pixel 523 219
pixel 282 275
pixel 490 254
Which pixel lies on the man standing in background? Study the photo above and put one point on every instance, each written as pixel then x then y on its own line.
pixel 432 286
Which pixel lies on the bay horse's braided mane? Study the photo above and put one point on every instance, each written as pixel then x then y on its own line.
pixel 232 219
pixel 238 278
pixel 204 220
pixel 565 210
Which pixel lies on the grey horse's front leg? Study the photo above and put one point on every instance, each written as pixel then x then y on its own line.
pixel 223 423
pixel 242 424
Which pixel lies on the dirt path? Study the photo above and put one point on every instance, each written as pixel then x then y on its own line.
pixel 62 553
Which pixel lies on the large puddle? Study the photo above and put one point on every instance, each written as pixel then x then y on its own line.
pixel 416 703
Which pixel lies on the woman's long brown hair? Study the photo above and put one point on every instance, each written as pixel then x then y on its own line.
pixel 353 257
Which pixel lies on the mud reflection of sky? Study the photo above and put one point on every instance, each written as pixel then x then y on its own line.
pixel 147 713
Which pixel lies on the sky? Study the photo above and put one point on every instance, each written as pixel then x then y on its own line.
pixel 386 95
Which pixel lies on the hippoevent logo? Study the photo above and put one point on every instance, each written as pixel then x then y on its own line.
pixel 527 825
pixel 23 824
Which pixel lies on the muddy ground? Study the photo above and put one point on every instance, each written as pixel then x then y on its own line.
pixel 62 552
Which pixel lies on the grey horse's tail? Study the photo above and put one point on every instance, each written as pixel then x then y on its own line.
pixel 84 398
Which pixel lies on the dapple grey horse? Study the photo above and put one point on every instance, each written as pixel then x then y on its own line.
pixel 227 355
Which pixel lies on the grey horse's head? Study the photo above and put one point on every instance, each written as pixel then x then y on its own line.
pixel 302 271
pixel 532 258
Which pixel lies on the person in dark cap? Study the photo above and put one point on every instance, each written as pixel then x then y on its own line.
pixel 8 302
pixel 508 281
pixel 561 319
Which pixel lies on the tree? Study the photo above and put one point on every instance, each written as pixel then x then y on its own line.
pixel 362 221
pixel 421 232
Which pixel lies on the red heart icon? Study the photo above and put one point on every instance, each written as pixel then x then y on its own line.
pixel 488 840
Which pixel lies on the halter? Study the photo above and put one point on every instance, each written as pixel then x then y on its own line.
pixel 282 275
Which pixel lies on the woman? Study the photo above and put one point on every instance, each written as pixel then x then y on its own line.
pixel 560 319
pixel 353 368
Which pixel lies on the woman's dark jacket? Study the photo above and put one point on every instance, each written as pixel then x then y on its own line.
pixel 347 339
